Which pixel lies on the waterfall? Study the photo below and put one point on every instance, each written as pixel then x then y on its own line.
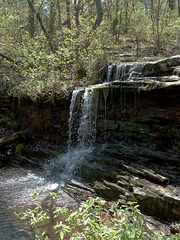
pixel 109 73
pixel 86 132
pixel 117 72
pixel 82 123
pixel 123 71
pixel 72 116
pixel 80 143
pixel 105 94
pixel 87 127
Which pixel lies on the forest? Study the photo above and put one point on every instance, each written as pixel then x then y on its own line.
pixel 81 156
pixel 49 46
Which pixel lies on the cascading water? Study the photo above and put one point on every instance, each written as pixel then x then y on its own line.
pixel 86 131
pixel 119 71
pixel 109 73
pixel 105 94
pixel 72 116
pixel 87 128
pixel 85 134
pixel 116 72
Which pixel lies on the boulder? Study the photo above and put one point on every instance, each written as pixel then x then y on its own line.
pixel 161 67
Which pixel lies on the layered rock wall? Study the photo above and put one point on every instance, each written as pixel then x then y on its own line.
pixel 149 119
pixel 47 121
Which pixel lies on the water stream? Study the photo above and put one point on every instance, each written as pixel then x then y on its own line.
pixel 105 94
pixel 82 136
pixel 123 71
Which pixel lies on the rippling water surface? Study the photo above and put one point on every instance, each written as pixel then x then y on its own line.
pixel 16 188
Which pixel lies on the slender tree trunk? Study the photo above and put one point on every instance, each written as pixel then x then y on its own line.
pixel 99 14
pixel 77 11
pixel 157 27
pixel 146 7
pixel 42 25
pixel 68 14
pixel 31 22
pixel 115 22
pixel 52 18
pixel 5 10
pixel 179 8
pixel 59 14
pixel 126 17
pixel 152 15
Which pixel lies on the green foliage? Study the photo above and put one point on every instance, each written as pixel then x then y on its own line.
pixel 36 215
pixel 97 223
pixel 135 27
pixel 93 220
pixel 19 148
pixel 42 73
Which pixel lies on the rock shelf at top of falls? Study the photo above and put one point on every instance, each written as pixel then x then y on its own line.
pixel 125 70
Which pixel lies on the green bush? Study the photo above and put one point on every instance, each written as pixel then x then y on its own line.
pixel 94 219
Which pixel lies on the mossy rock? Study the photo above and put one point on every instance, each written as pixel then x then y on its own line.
pixel 19 148
pixel 92 173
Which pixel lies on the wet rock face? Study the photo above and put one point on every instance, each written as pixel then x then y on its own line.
pixel 177 71
pixel 165 66
pixel 153 199
pixel 117 175
pixel 141 118
pixel 148 119
pixel 45 121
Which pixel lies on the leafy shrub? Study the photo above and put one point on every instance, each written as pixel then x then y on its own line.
pixel 94 219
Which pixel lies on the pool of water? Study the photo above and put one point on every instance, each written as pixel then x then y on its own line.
pixel 16 188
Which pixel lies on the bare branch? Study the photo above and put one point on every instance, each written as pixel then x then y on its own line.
pixel 42 25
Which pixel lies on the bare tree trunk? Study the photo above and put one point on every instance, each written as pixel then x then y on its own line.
pixel 52 18
pixel 146 7
pixel 31 22
pixel 99 14
pixel 157 27
pixel 42 26
pixel 126 17
pixel 68 14
pixel 152 15
pixel 59 14
pixel 77 10
pixel 115 22
pixel 137 46
pixel 179 8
